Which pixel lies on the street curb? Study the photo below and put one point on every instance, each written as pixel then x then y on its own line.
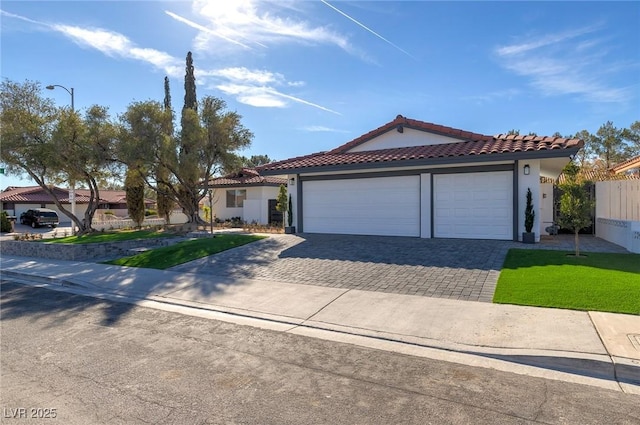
pixel 586 368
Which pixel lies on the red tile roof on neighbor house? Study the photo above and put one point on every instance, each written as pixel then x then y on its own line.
pixel 471 144
pixel 629 164
pixel 36 194
pixel 246 177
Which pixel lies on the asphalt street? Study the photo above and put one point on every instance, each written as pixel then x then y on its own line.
pixel 91 361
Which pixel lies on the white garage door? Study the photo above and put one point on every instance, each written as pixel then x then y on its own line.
pixel 473 205
pixel 374 206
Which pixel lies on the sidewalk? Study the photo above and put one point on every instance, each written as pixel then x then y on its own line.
pixel 592 348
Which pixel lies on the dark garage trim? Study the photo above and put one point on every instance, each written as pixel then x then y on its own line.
pixel 415 172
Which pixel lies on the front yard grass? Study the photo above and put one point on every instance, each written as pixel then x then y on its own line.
pixel 182 252
pixel 118 236
pixel 597 282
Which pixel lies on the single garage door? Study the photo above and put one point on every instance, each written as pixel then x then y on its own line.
pixel 473 205
pixel 387 206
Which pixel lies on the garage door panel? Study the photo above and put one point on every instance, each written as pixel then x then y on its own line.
pixel 474 205
pixel 375 206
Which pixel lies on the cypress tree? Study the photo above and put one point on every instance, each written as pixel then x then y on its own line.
pixel 190 99
pixel 165 203
pixel 134 187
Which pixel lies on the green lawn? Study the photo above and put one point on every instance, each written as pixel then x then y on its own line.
pixel 182 252
pixel 597 282
pixel 117 236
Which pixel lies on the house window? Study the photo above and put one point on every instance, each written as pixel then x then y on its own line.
pixel 236 197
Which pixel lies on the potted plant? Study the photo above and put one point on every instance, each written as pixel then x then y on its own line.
pixel 285 207
pixel 290 229
pixel 529 215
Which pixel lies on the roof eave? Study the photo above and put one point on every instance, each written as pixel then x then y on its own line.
pixel 509 156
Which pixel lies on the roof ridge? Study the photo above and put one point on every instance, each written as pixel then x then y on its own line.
pixel 400 122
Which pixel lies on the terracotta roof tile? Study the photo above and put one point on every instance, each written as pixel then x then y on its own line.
pixel 35 194
pixel 627 165
pixel 246 177
pixel 472 144
pixel 596 176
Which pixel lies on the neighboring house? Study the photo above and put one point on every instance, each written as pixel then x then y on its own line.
pixel 16 200
pixel 248 195
pixel 628 167
pixel 413 178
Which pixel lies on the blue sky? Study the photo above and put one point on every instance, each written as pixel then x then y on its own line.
pixel 308 76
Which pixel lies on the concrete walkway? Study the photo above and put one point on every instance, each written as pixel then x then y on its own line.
pixel 600 349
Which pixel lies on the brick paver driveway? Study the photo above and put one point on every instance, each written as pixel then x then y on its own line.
pixel 446 268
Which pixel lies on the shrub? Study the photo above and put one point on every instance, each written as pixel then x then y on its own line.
pixel 5 224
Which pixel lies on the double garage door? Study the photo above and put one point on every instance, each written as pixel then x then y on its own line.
pixel 465 205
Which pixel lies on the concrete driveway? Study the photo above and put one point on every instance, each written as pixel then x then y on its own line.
pixel 444 268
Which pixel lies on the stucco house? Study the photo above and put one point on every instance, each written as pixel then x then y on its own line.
pixel 246 194
pixel 414 178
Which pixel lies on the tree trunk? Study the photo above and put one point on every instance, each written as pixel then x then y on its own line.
pixel 577 242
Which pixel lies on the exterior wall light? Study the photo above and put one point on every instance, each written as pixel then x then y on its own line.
pixel 292 181
pixel 527 169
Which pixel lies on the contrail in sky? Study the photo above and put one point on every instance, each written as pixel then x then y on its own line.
pixel 367 28
pixel 306 102
pixel 203 28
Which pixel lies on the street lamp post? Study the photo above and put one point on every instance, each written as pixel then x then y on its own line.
pixel 53 86
pixel 72 190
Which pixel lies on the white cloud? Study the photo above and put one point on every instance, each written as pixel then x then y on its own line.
pixel 250 24
pixel 490 97
pixel 248 75
pixel 567 63
pixel 543 41
pixel 322 129
pixel 257 87
pixel 249 86
pixel 117 45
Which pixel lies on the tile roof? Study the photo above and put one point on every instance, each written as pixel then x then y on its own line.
pixel 627 165
pixel 35 194
pixel 400 122
pixel 471 145
pixel 247 177
pixel 107 196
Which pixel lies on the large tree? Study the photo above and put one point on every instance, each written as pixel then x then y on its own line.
pixel 55 145
pixel 608 144
pixel 632 136
pixel 206 143
pixel 585 156
pixel 256 160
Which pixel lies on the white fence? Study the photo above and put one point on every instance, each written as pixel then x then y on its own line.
pixel 120 223
pixel 618 213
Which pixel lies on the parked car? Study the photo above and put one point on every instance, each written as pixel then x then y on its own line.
pixel 40 217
